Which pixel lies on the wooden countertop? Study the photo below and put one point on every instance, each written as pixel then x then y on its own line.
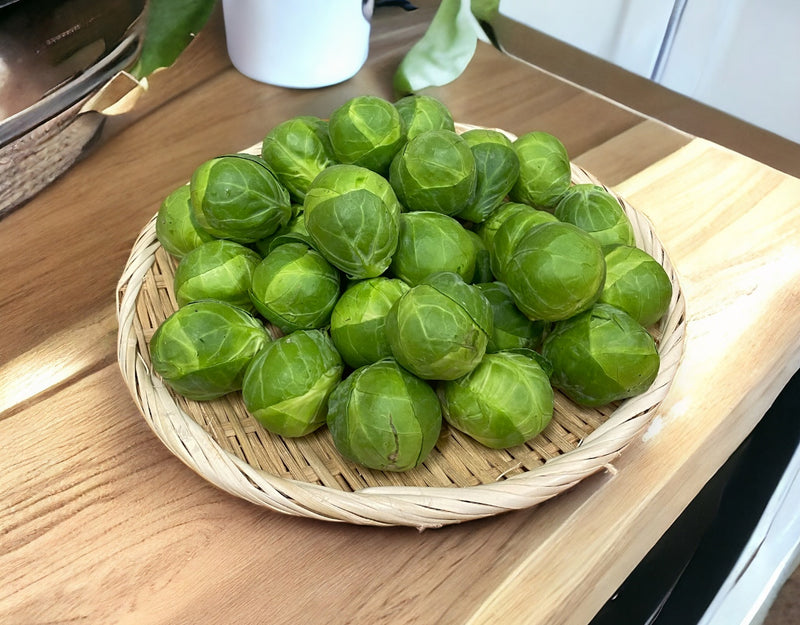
pixel 99 523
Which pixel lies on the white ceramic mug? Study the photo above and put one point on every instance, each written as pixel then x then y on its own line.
pixel 298 43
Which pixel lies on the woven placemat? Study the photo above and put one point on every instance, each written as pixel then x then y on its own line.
pixel 459 481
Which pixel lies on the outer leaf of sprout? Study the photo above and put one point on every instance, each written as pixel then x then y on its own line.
pixel 431 242
pixel 440 328
pixel 366 131
pixel 596 211
pixel 296 151
pixel 237 197
pixel 287 385
pixel 384 418
pixel 556 271
pixel 203 348
pixel 217 269
pixel 351 214
pixel 506 400
pixel 497 167
pixel 359 318
pixel 510 232
pixel 421 113
pixel 295 288
pixel 176 228
pixel 435 171
pixel 601 355
pixel 511 329
pixel 544 170
pixel 637 284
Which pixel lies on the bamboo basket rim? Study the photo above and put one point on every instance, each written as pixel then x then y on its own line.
pixel 415 506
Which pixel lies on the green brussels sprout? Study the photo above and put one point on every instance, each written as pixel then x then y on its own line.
pixel 637 284
pixel 435 171
pixel 431 242
pixel 287 385
pixel 511 232
pixel 544 170
pixel 351 214
pixel 511 329
pixel 483 262
pixel 203 349
pixel 439 329
pixel 295 288
pixel 421 113
pixel 359 317
pixel 506 400
pixel 296 151
pixel 556 271
pixel 488 229
pixel 294 231
pixel 176 228
pixel 366 131
pixel 384 418
pixel 237 197
pixel 218 269
pixel 595 210
pixel 497 169
pixel 601 355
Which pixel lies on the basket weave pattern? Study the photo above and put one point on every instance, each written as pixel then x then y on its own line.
pixel 460 480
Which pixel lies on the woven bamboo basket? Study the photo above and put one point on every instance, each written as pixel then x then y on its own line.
pixel 461 480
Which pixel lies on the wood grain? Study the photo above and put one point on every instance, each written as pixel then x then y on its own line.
pixel 733 247
pixel 99 523
pixel 115 529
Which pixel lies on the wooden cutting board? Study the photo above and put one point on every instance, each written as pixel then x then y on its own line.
pixel 732 228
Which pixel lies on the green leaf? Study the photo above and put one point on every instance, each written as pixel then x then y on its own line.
pixel 485 10
pixel 171 26
pixel 445 49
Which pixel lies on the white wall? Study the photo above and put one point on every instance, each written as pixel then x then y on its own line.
pixel 740 56
pixel 625 32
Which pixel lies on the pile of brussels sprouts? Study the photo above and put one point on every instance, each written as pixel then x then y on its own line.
pixel 379 273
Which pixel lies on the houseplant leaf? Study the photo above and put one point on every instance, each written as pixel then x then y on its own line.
pixel 443 52
pixel 171 26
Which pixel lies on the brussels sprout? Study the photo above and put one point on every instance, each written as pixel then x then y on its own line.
pixel 637 284
pixel 351 214
pixel 176 228
pixel 497 169
pixel 431 242
pixel 488 229
pixel 287 385
pixel 439 329
pixel 556 271
pixel 544 170
pixel 296 151
pixel 359 317
pixel 511 232
pixel 511 329
pixel 421 113
pixel 294 231
pixel 366 131
pixel 384 418
pixel 237 197
pixel 596 211
pixel 217 269
pixel 506 400
pixel 601 355
pixel 295 288
pixel 202 349
pixel 435 171
pixel 483 266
